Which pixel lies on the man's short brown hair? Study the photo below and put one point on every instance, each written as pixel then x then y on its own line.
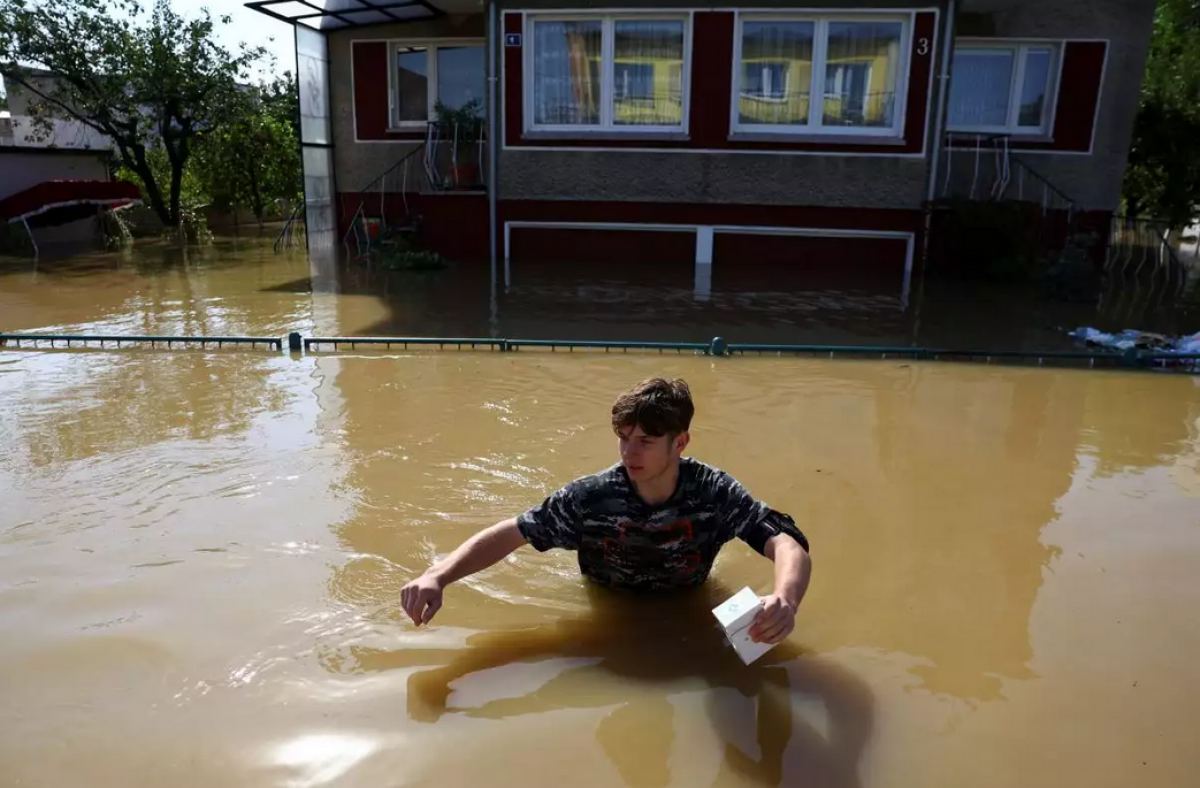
pixel 658 406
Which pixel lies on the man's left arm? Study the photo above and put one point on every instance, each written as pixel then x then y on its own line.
pixel 793 567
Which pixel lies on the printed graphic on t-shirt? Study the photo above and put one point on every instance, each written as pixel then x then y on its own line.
pixel 622 541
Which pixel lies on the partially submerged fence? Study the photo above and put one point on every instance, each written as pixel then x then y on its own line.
pixel 1132 358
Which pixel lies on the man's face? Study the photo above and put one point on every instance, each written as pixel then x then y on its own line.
pixel 646 457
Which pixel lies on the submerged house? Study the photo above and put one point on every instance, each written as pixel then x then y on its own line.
pixel 713 135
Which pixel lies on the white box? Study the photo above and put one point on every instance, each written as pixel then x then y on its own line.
pixel 736 614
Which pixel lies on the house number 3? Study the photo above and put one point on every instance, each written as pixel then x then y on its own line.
pixel 922 46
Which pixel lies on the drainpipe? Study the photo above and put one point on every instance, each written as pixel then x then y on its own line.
pixel 940 119
pixel 939 129
pixel 493 97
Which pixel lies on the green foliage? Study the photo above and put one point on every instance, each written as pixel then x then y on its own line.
pixel 467 120
pixel 14 241
pixel 254 158
pixel 114 231
pixel 411 260
pixel 156 85
pixel 1163 176
pixel 191 190
pixel 401 252
pixel 192 229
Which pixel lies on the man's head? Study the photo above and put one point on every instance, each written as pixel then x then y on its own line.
pixel 651 421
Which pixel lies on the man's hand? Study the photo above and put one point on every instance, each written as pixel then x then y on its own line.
pixel 774 622
pixel 422 598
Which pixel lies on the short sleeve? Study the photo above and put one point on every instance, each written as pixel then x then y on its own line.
pixel 751 520
pixel 555 522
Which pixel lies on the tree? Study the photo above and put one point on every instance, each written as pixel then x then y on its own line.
pixel 161 84
pixel 254 157
pixel 1163 176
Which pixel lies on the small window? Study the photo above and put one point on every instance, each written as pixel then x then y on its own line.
pixel 854 68
pixel 1002 88
pixel 427 73
pixel 606 74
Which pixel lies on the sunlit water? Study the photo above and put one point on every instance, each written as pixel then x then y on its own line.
pixel 201 554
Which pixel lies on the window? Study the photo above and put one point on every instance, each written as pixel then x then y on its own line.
pixel 425 73
pixel 633 81
pixel 1002 88
pixel 821 76
pixel 606 74
pixel 766 81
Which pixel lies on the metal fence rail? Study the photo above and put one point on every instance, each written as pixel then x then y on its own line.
pixel 118 340
pixel 454 343
pixel 296 343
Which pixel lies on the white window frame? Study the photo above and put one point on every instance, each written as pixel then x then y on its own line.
pixel 607 73
pixel 1021 49
pixel 431 46
pixel 816 102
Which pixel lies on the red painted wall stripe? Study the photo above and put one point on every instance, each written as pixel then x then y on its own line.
pixel 456 225
pixel 629 250
pixel 765 262
pixel 1078 96
pixel 712 79
pixel 370 64
pixel 711 213
pixel 514 107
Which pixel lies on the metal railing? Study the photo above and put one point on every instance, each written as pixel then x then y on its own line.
pixel 113 341
pixel 456 156
pixel 296 343
pixel 287 235
pixel 1142 271
pixel 399 174
pixel 997 174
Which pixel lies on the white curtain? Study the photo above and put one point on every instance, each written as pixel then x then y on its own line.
pixel 862 63
pixel 648 73
pixel 566 72
pixel 979 87
pixel 775 73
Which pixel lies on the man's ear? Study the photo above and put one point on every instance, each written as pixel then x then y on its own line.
pixel 681 442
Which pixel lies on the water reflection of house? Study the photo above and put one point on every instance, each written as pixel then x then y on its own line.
pixel 731 137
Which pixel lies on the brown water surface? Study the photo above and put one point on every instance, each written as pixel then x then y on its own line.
pixel 201 553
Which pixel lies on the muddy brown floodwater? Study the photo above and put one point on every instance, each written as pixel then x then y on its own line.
pixel 201 553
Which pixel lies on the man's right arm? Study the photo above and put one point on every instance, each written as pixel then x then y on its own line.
pixel 422 598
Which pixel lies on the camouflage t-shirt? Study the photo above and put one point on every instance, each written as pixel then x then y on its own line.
pixel 623 541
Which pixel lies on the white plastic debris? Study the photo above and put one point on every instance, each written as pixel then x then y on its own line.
pixel 736 614
pixel 1142 340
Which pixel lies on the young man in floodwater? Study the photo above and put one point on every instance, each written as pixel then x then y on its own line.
pixel 653 522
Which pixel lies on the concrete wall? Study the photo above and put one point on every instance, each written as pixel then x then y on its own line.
pixel 60 132
pixel 25 168
pixel 358 163
pixel 1093 181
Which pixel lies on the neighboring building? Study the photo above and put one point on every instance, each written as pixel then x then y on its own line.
pixel 717 133
pixel 62 133
pixel 53 180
